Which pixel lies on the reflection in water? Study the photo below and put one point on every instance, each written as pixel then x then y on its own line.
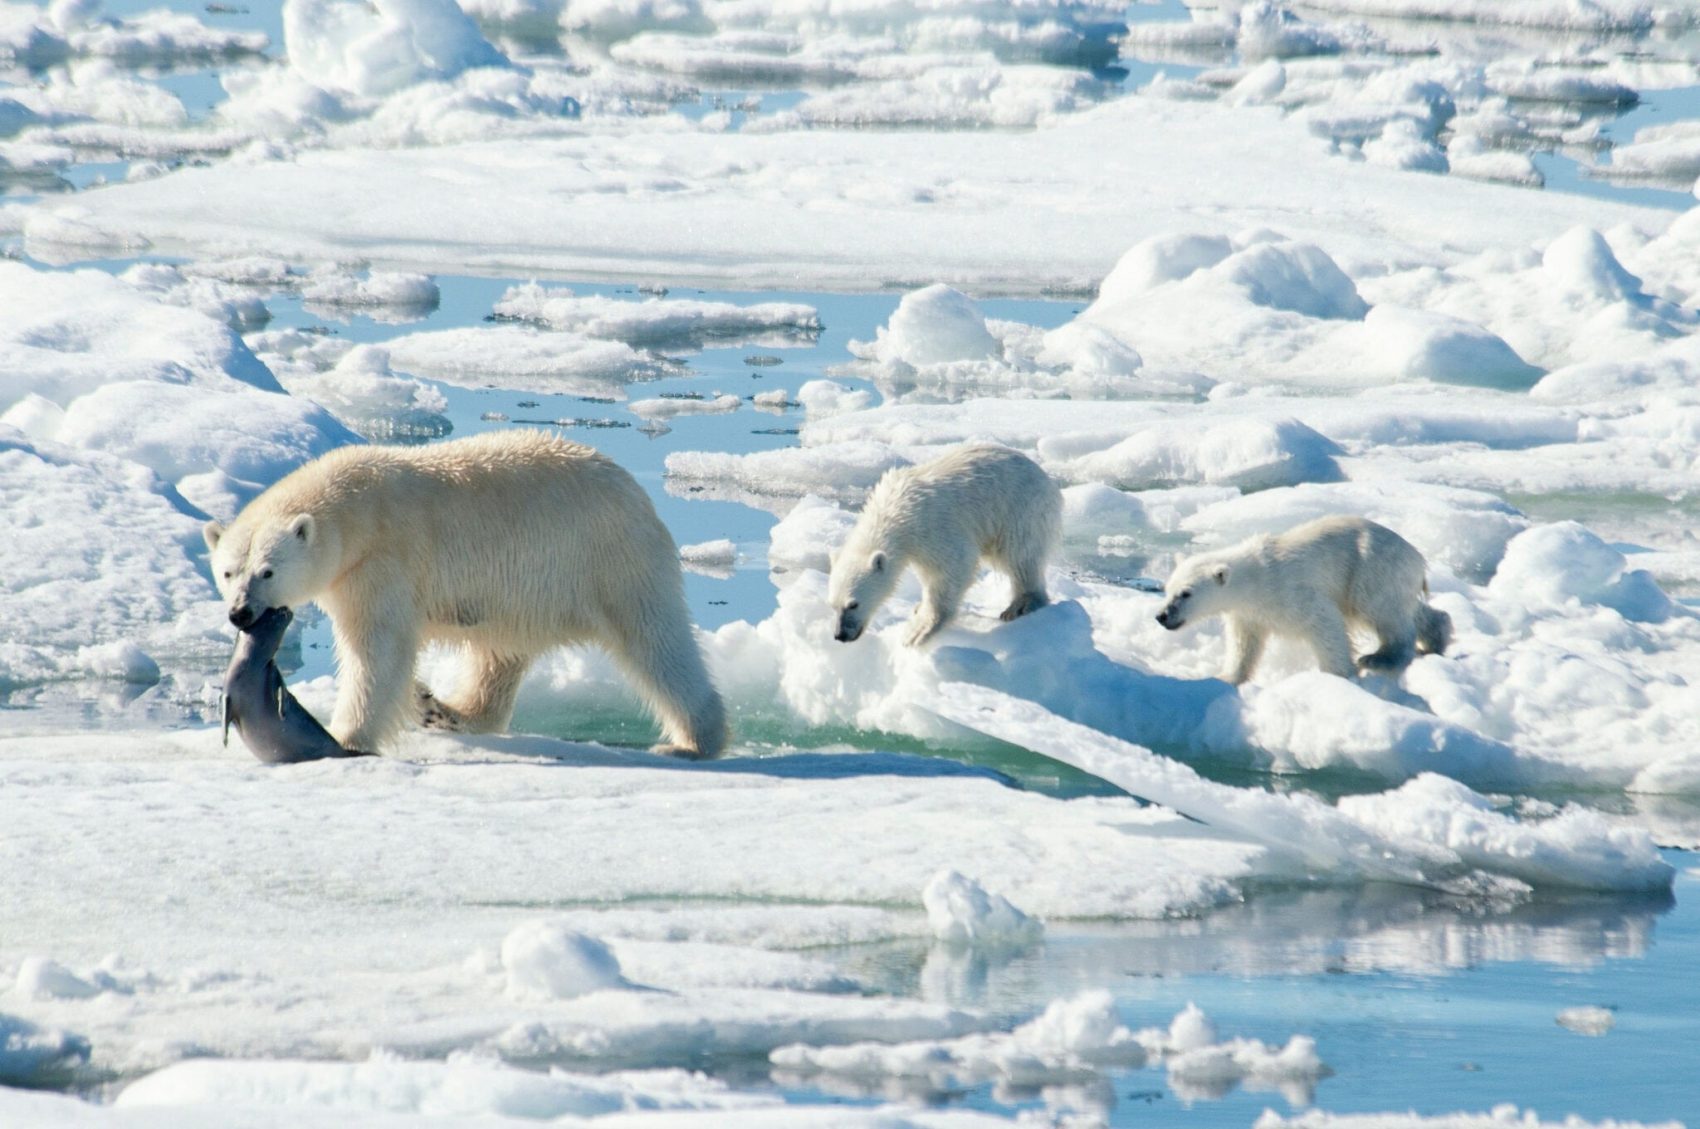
pixel 1370 929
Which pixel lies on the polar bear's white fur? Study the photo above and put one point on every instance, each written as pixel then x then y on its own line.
pixel 1315 582
pixel 944 517
pixel 507 544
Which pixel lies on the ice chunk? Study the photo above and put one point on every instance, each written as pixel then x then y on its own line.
pixel 668 407
pixel 659 322
pixel 525 359
pixel 377 48
pixel 935 325
pixel 846 471
pixel 386 295
pixel 806 535
pixel 1587 1020
pixel 547 961
pixel 830 398
pixel 962 912
pixel 1072 1039
pixel 371 398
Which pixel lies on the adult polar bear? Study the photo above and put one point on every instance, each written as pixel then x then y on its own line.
pixel 1313 582
pixel 507 544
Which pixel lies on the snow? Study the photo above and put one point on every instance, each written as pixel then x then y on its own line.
pixel 1058 195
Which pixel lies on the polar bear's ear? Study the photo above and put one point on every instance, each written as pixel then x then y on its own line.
pixel 304 528
pixel 877 561
pixel 211 532
pixel 1220 573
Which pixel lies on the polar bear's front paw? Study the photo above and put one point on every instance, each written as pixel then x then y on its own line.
pixel 679 752
pixel 921 628
pixel 1024 603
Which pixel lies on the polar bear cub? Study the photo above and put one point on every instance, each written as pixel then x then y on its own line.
pixel 506 545
pixel 944 517
pixel 1315 581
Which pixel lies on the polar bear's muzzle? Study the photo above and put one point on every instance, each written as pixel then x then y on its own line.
pixel 849 629
pixel 1171 618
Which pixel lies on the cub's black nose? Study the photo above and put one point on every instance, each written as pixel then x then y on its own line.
pixel 242 618
pixel 841 635
pixel 1163 618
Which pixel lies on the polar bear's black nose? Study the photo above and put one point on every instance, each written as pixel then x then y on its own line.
pixel 242 617
pixel 1163 617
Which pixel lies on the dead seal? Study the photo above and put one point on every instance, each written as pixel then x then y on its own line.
pixel 275 727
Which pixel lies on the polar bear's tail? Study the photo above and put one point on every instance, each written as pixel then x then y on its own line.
pixel 1434 630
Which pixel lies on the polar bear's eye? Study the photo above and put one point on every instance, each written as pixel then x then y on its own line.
pixel 852 606
pixel 1185 593
pixel 266 575
pixel 227 574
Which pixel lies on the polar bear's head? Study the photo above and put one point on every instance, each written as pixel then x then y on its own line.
pixel 263 564
pixel 861 580
pixel 1197 589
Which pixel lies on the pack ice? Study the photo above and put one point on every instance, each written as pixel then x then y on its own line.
pixel 1283 314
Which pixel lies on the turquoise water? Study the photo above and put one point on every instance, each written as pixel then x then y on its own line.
pixel 1414 1003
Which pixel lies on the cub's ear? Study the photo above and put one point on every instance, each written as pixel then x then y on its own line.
pixel 212 531
pixel 1220 574
pixel 304 528
pixel 877 562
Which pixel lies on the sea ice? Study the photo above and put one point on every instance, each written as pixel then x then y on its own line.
pixel 1587 1020
pixel 962 912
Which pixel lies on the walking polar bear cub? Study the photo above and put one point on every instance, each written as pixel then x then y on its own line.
pixel 944 517
pixel 1314 581
pixel 507 544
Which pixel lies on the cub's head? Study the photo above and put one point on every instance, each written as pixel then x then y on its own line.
pixel 1197 589
pixel 861 580
pixel 259 565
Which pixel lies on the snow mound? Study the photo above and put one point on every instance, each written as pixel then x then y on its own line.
pixel 547 961
pixel 1247 453
pixel 935 325
pixel 961 912
pixel 1564 562
pixel 378 48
